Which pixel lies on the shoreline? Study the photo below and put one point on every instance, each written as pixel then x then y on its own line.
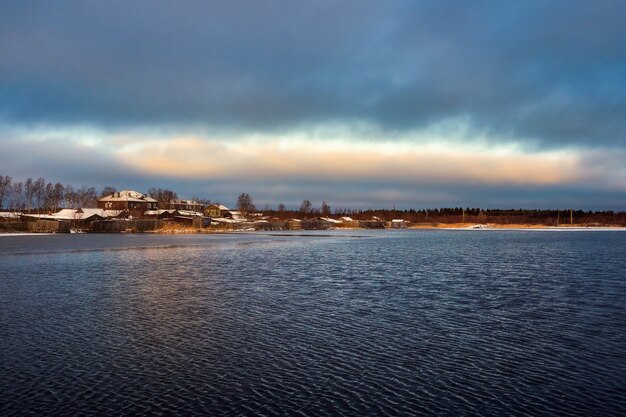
pixel 438 226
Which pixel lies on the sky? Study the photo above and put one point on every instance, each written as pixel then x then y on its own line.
pixel 363 104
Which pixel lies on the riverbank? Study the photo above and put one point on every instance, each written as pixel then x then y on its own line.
pixel 178 229
pixel 490 226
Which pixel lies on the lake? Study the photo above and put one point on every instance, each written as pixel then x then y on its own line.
pixel 353 323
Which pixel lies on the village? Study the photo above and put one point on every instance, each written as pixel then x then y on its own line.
pixel 129 211
pixel 35 206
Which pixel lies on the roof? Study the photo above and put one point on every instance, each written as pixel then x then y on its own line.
pixel 223 220
pixel 190 213
pixel 158 212
pixel 129 195
pixel 329 220
pixel 188 202
pixel 218 206
pixel 78 214
pixel 10 214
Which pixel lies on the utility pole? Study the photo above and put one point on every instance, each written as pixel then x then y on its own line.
pixel 571 217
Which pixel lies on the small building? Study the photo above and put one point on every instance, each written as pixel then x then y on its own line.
pixel 397 224
pixel 67 219
pixel 348 222
pixel 80 215
pixel 216 211
pixel 293 224
pixel 160 214
pixel 375 223
pixel 235 215
pixel 319 223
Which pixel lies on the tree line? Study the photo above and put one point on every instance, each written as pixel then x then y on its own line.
pixel 38 195
pixel 450 215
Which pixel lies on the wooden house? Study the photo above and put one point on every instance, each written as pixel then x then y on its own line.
pixel 293 224
pixel 134 202
pixel 189 205
pixel 216 211
pixel 317 223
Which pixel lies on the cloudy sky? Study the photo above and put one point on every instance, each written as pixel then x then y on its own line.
pixel 359 103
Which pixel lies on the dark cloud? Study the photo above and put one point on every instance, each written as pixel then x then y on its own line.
pixel 550 72
pixel 62 161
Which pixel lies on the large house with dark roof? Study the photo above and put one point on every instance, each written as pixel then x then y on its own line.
pixel 134 202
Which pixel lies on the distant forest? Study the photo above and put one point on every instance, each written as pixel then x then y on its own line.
pixel 41 196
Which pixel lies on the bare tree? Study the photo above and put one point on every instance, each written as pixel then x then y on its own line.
pixel 5 189
pixel 87 197
pixel 325 209
pixel 204 201
pixel 305 207
pixel 17 200
pixel 58 193
pixel 28 193
pixel 70 196
pixel 39 191
pixel 162 195
pixel 54 196
pixel 106 191
pixel 48 199
pixel 245 204
pixel 281 210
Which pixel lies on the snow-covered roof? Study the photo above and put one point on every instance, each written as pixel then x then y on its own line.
pixel 346 219
pixel 329 220
pixel 10 214
pixel 219 207
pixel 223 220
pixel 190 213
pixel 77 214
pixel 158 212
pixel 129 195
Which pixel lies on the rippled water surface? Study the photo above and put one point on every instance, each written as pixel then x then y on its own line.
pixel 353 323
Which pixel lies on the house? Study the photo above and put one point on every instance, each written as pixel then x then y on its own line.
pixel 397 224
pixel 348 222
pixel 235 215
pixel 375 223
pixel 294 224
pixel 190 205
pixel 319 223
pixel 216 210
pixel 160 214
pixel 134 202
pixel 66 219
pixel 81 215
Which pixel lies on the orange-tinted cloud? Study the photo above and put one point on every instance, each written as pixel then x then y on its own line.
pixel 193 157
